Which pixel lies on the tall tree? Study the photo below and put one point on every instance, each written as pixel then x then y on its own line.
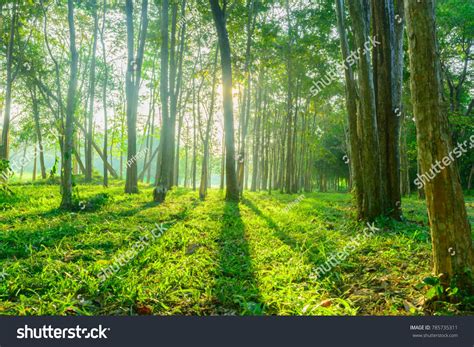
pixel 218 13
pixel 388 97
pixel 104 92
pixel 352 115
pixel 164 167
pixel 372 206
pixel 453 253
pixel 66 175
pixel 245 109
pixel 207 136
pixel 39 137
pixel 132 86
pixel 5 145
pixel 90 114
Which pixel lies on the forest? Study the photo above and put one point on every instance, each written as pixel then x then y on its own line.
pixel 236 157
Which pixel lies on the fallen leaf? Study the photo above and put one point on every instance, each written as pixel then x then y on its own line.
pixel 144 310
pixel 326 303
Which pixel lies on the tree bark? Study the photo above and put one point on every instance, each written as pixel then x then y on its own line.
pixel 388 65
pixel 359 10
pixel 66 176
pixel 163 181
pixel 104 95
pixel 39 136
pixel 453 254
pixel 232 190
pixel 132 85
pixel 5 146
pixel 90 123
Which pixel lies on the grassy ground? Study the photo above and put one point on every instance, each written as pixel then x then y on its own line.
pixel 256 257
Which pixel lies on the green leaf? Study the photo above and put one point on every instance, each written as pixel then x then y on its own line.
pixel 432 281
pixel 431 293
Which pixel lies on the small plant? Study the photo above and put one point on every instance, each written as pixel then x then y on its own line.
pixel 437 291
pixel 54 170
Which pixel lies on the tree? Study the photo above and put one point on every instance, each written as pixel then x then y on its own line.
pixel 351 105
pixel 104 92
pixel 218 13
pixel 90 118
pixel 132 86
pixel 4 148
pixel 359 10
pixel 388 65
pixel 66 175
pixel 453 254
pixel 206 138
pixel 164 167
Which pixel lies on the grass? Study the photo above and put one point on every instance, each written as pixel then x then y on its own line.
pixel 215 258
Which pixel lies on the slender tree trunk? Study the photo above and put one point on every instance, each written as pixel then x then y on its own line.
pixel 89 164
pixel 232 191
pixel 163 182
pixel 205 160
pixel 5 145
pixel 351 105
pixel 132 84
pixel 245 111
pixel 222 164
pixel 34 163
pixel 289 115
pixel 39 136
pixel 104 95
pixel 67 200
pixel 471 175
pixel 23 166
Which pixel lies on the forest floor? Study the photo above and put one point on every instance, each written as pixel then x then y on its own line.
pixel 214 258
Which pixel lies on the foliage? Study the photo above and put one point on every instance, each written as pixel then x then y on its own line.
pixel 215 258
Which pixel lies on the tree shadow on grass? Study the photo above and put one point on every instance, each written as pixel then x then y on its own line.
pixel 19 244
pixel 311 252
pixel 236 288
pixel 135 210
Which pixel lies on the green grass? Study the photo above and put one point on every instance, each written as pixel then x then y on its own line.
pixel 216 258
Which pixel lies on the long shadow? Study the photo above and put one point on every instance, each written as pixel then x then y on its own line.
pixel 236 288
pixel 312 256
pixel 22 243
pixel 135 210
pixel 90 205
pixel 181 216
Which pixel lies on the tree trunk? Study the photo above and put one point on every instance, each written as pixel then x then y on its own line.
pixel 104 95
pixel 66 176
pixel 90 123
pixel 453 254
pixel 5 145
pixel 162 184
pixel 205 160
pixel 232 191
pixel 39 137
pixel 388 67
pixel 359 10
pixel 132 85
